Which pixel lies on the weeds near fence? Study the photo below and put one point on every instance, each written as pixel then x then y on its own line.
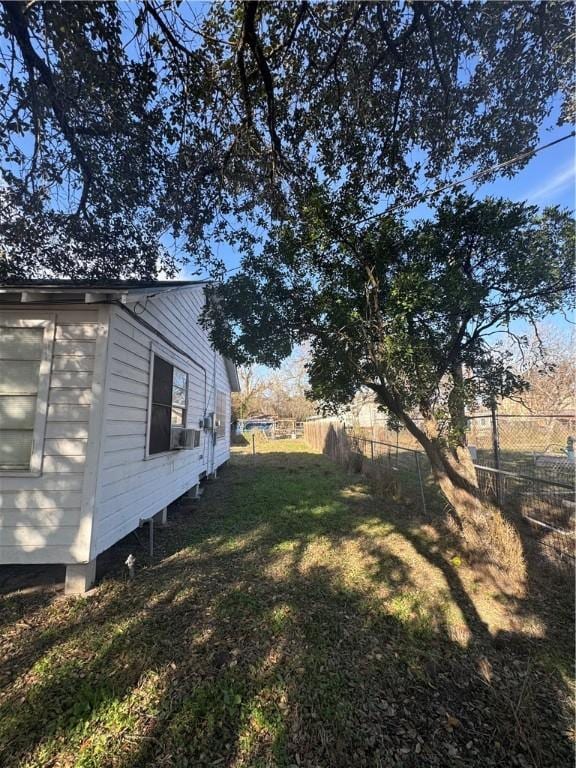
pixel 544 507
pixel 401 473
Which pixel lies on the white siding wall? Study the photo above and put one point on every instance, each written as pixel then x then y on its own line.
pixel 132 486
pixel 45 519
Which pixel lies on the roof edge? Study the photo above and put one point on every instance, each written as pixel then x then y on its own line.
pixel 232 375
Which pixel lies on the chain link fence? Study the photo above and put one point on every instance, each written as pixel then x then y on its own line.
pixel 542 499
pixel 535 445
pixel 538 445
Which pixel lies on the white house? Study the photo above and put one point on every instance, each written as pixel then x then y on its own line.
pixel 113 403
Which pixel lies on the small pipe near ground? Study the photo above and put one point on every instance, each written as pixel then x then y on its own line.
pixel 131 562
pixel 151 538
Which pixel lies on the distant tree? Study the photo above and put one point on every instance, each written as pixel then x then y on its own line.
pixel 280 393
pixel 130 132
pixel 409 312
pixel 287 388
pixel 547 362
pixel 249 401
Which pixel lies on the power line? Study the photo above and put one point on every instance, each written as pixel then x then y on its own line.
pixel 478 174
pixel 420 196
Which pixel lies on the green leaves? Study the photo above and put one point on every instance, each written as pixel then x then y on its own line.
pixel 405 309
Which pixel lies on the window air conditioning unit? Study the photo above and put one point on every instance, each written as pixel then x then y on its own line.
pixel 189 438
pixel 175 439
pixel 182 439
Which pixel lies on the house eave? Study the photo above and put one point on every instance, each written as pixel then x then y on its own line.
pixel 72 292
pixel 232 375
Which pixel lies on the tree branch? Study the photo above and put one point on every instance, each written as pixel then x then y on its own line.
pixel 285 47
pixel 392 403
pixel 452 356
pixel 344 39
pixel 19 25
pixel 241 65
pixel 168 34
pixel 390 42
pixel 250 37
pixel 425 10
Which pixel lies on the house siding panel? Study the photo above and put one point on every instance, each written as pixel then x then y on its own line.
pixel 96 481
pixel 132 486
pixel 41 518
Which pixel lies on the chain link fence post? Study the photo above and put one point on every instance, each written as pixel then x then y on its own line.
pixel 496 451
pixel 420 481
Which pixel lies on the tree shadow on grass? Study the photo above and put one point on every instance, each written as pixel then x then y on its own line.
pixel 276 630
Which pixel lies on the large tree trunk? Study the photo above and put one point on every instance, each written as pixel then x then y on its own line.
pixel 454 473
pixel 488 535
pixel 452 466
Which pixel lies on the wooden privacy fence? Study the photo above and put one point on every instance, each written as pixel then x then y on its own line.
pixel 329 437
pixel 546 506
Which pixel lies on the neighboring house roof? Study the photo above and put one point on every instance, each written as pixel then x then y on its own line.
pixel 92 291
pixel 69 283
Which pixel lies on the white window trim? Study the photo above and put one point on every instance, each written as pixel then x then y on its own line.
pixel 178 362
pixel 46 321
pixel 225 417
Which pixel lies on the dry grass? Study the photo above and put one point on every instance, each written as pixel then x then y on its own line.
pixel 493 546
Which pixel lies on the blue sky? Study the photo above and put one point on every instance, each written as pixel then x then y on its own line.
pixel 548 178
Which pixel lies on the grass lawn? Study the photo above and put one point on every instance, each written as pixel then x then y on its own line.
pixel 290 618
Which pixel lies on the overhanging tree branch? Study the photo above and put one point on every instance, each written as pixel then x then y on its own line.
pixel 250 37
pixel 345 37
pixel 425 10
pixel 19 26
pixel 168 33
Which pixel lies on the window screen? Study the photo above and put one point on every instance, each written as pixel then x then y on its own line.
pixel 221 400
pixel 20 357
pixel 169 388
pixel 179 386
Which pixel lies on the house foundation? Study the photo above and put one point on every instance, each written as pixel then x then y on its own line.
pixel 80 577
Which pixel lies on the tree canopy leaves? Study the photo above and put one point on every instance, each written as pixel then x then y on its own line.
pixel 411 311
pixel 129 128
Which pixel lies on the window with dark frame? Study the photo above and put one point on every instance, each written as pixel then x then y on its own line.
pixel 169 388
pixel 221 399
